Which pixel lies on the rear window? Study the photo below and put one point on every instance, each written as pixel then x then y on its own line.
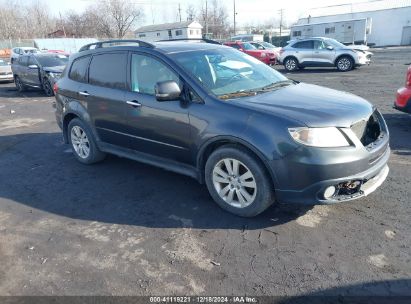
pixel 78 70
pixel 304 45
pixel 109 70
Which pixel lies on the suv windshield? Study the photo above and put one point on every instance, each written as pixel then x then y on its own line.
pixel 228 73
pixel 335 43
pixel 248 46
pixel 52 60
pixel 3 63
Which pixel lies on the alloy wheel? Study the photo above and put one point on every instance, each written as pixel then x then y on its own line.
pixel 80 142
pixel 234 182
pixel 344 64
pixel 47 88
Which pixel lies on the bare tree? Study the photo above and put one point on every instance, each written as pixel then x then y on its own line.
pixel 216 17
pixel 191 12
pixel 117 17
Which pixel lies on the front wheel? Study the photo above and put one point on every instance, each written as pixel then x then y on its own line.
pixel 345 64
pixel 82 142
pixel 238 182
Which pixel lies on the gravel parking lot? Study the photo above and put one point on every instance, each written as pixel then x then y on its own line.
pixel 124 228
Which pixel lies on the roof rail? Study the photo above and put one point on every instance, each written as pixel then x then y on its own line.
pixel 192 39
pixel 100 44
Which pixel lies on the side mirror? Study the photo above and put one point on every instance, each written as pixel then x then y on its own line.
pixel 33 66
pixel 167 90
pixel 330 48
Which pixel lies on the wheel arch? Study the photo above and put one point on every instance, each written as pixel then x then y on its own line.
pixel 291 56
pixel 215 143
pixel 75 110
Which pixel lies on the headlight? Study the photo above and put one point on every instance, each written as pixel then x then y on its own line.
pixel 319 137
pixel 263 55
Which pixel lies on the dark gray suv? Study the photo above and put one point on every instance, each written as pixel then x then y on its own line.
pixel 250 134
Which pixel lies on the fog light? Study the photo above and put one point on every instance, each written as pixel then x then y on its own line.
pixel 329 192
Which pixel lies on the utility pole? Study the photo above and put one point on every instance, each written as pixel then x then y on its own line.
pixel 234 17
pixel 206 20
pixel 179 11
pixel 281 20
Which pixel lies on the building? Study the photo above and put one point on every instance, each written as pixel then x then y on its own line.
pixel 165 31
pixel 379 23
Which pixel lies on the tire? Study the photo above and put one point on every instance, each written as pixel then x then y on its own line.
pixel 82 142
pixel 291 64
pixel 345 64
pixel 48 89
pixel 19 85
pixel 256 185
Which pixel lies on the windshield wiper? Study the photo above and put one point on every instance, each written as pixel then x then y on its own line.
pixel 237 94
pixel 275 85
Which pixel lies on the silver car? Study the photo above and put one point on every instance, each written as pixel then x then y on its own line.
pixel 322 52
pixel 5 71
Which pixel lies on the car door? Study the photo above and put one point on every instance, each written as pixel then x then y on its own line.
pixel 104 96
pixel 156 128
pixel 322 55
pixel 32 73
pixel 304 51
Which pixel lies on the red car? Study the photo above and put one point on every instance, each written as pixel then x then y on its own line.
pixel 265 56
pixel 403 102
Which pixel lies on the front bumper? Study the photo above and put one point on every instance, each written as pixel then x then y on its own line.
pixel 369 181
pixel 8 77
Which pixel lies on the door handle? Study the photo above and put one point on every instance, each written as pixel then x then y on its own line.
pixel 134 103
pixel 84 93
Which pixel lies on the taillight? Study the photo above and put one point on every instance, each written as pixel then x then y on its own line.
pixel 408 80
pixel 55 88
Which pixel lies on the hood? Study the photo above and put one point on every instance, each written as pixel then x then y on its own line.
pixel 312 105
pixel 5 68
pixel 56 69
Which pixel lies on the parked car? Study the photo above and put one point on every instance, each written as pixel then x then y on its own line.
pixel 262 45
pixel 266 56
pixel 40 70
pixel 205 110
pixel 322 52
pixel 403 101
pixel 5 71
pixel 19 51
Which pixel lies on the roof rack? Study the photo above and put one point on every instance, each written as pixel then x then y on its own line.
pixel 192 39
pixel 100 44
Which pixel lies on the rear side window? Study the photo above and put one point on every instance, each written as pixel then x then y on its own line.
pixel 78 71
pixel 109 70
pixel 304 45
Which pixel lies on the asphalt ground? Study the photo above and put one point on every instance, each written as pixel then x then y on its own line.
pixel 125 228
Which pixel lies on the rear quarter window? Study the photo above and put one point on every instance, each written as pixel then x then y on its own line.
pixel 109 70
pixel 78 71
pixel 304 45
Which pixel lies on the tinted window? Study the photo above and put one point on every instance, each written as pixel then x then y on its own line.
pixel 236 46
pixel 304 45
pixel 78 70
pixel 109 70
pixel 23 60
pixel 146 72
pixel 52 60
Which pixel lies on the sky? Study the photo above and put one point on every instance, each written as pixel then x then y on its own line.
pixel 248 11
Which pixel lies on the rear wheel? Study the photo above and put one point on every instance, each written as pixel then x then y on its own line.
pixel 48 89
pixel 82 142
pixel 238 182
pixel 19 85
pixel 291 64
pixel 345 64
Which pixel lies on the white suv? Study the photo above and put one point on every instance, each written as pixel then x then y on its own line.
pixel 322 52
